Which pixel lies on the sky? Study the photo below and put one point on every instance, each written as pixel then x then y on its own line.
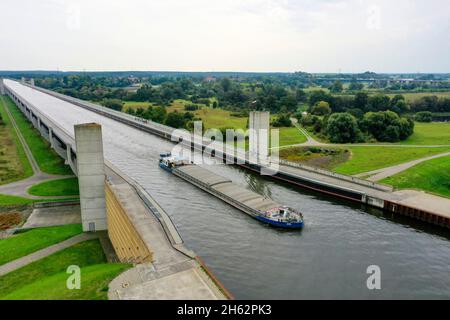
pixel 226 35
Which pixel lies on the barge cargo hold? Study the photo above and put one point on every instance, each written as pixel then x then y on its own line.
pixel 251 203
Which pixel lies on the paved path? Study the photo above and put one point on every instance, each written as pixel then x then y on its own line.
pixel 310 141
pixel 172 273
pixel 54 216
pixel 19 263
pixel 20 188
pixel 383 173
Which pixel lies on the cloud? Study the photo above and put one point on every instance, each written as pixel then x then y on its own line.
pixel 253 35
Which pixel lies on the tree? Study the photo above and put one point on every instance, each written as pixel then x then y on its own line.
pixel 398 104
pixel 175 120
pixel 378 102
pixel 361 99
pixel 342 128
pixel 355 86
pixel 282 121
pixel 319 95
pixel 225 83
pixel 322 108
pixel 114 104
pixel 387 126
pixel 424 116
pixel 158 114
pixel 300 95
pixel 337 87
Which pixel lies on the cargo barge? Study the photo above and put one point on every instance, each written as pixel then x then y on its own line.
pixel 251 203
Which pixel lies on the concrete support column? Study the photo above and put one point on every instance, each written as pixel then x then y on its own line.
pixel 259 128
pixel 69 154
pixel 32 82
pixel 91 176
pixel 22 81
pixel 50 137
pixel 2 87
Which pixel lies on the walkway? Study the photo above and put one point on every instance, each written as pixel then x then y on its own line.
pixel 380 174
pixel 53 216
pixel 310 141
pixel 38 255
pixel 20 188
pixel 173 274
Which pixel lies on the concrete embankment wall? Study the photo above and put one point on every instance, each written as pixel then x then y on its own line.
pixel 127 242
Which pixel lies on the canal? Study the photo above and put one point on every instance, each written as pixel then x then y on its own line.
pixel 327 260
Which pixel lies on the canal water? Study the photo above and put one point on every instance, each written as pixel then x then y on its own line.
pixel 326 260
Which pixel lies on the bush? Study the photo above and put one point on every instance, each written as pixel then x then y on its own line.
pixel 175 120
pixel 343 128
pixel 282 121
pixel 322 108
pixel 387 126
pixel 114 104
pixel 424 116
pixel 191 107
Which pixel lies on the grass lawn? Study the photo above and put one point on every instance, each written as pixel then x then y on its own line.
pixel 33 240
pixel 56 188
pixel 432 176
pixel 46 278
pixel 410 97
pixel 14 164
pixel 12 201
pixel 434 133
pixel 365 159
pixel 46 158
pixel 135 105
pixel 7 201
pixel 321 157
pixel 290 136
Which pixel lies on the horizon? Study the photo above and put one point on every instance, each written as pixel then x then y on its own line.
pixel 220 71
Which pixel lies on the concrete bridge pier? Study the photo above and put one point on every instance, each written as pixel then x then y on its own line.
pixel 91 176
pixel 2 87
pixel 259 127
pixel 51 138
pixel 69 155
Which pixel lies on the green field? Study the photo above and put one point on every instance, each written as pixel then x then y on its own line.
pixel 434 133
pixel 33 240
pixel 56 188
pixel 7 201
pixel 14 164
pixel 46 279
pixel 417 95
pixel 432 176
pixel 290 136
pixel 135 105
pixel 46 158
pixel 365 159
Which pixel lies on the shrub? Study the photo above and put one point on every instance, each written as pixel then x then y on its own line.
pixel 343 128
pixel 322 108
pixel 424 116
pixel 282 121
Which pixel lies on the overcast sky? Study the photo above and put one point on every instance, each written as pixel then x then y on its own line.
pixel 226 35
